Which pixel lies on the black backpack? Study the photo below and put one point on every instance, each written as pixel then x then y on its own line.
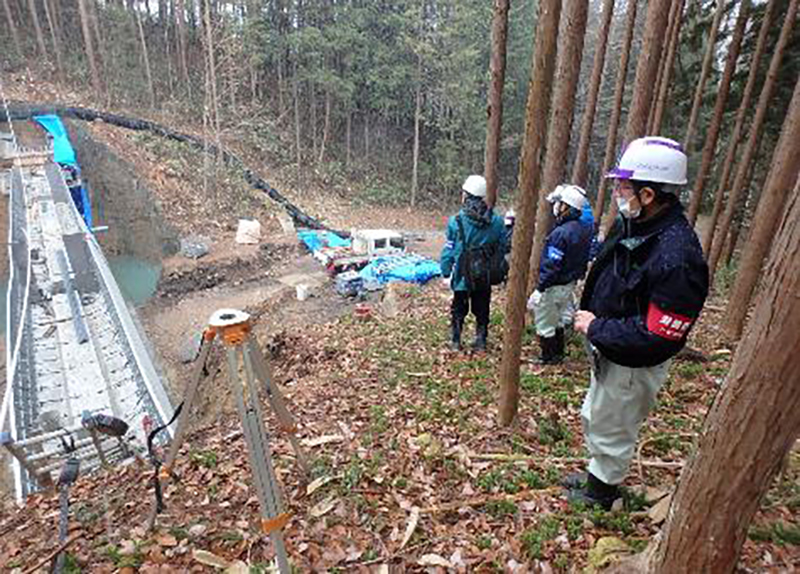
pixel 482 265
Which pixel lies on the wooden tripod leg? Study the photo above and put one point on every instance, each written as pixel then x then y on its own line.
pixel 185 416
pixel 278 403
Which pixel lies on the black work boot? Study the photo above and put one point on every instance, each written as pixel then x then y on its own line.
pixel 559 345
pixel 455 333
pixel 549 355
pixel 481 334
pixel 595 493
pixel 575 480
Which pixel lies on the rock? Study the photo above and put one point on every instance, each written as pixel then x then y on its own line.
pixel 606 551
pixel 652 494
pixel 127 548
pixel 197 530
pixel 190 349
pixel 194 246
pixel 248 232
pixel 659 512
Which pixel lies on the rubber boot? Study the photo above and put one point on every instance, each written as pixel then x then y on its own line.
pixel 595 493
pixel 481 334
pixel 455 333
pixel 559 345
pixel 548 346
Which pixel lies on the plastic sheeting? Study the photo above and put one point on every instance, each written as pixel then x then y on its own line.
pixel 316 240
pixel 407 267
pixel 62 149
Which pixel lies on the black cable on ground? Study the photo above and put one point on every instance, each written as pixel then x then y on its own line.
pixel 24 111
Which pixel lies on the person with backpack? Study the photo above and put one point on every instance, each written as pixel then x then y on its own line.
pixel 473 259
pixel 565 257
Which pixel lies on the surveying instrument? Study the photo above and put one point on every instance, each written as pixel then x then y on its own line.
pixel 247 370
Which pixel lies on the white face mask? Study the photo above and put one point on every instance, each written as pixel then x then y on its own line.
pixel 624 206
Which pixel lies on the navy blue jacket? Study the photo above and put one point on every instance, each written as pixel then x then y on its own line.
pixel 646 288
pixel 566 253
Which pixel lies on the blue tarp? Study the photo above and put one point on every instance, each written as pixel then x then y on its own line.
pixel 406 267
pixel 316 240
pixel 62 149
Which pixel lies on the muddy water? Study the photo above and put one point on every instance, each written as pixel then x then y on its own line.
pixel 137 238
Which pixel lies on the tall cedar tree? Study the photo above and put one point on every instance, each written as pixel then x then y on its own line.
pixel 616 111
pixel 569 67
pixel 536 114
pixel 701 84
pixel 580 168
pixel 743 169
pixel 88 44
pixel 494 107
pixel 646 73
pixel 751 427
pixel 738 127
pixel 669 63
pixel 784 171
pixel 712 135
pixel 13 27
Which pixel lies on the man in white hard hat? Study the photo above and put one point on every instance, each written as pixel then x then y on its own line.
pixel 644 293
pixel 509 220
pixel 476 242
pixel 565 257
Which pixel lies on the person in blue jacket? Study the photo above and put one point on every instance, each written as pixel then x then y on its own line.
pixel 642 296
pixel 481 227
pixel 565 257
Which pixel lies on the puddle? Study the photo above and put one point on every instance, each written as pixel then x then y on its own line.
pixel 136 278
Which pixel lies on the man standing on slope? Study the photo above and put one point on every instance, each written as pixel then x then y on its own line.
pixel 564 260
pixel 476 225
pixel 643 294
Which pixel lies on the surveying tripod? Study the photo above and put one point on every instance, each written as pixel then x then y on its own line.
pixel 234 328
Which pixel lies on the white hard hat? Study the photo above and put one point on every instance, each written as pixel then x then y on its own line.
pixel 656 159
pixel 510 216
pixel 475 185
pixel 572 195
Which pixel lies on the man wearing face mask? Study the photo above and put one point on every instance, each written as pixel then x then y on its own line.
pixel 643 295
pixel 564 260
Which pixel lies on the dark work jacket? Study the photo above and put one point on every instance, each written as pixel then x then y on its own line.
pixel 646 288
pixel 566 253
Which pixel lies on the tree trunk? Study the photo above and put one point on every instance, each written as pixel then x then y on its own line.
pixel 281 104
pixel 212 70
pixel 313 119
pixel 326 125
pixel 168 55
pixel 581 166
pixel 95 22
pixel 54 37
pixel 417 117
pixel 710 146
pixel 366 135
pixel 646 72
pixel 752 141
pixel 180 21
pixel 146 59
pixel 669 63
pixel 87 39
pixel 706 70
pixel 736 134
pixel 616 111
pixel 13 27
pixel 38 29
pixel 536 115
pixel 783 172
pixel 569 67
pixel 494 109
pixel 348 137
pixel 296 96
pixel 749 430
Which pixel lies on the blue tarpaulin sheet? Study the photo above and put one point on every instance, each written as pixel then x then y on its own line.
pixel 407 267
pixel 316 240
pixel 62 149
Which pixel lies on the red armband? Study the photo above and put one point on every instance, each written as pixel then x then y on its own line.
pixel 667 324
